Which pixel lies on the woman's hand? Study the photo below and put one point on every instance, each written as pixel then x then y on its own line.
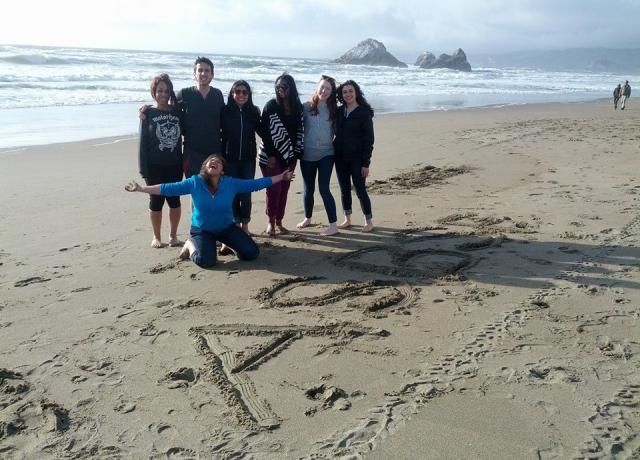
pixel 133 186
pixel 287 175
pixel 365 172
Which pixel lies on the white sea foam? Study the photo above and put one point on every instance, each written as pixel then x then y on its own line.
pixel 35 82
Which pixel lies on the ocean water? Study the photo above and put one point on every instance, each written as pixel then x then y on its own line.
pixel 51 94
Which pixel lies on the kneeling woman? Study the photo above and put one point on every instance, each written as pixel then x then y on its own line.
pixel 212 196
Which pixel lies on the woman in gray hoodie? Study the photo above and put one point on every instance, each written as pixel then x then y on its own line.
pixel 318 157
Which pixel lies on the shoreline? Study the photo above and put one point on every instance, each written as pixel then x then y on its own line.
pixel 502 278
pixel 133 134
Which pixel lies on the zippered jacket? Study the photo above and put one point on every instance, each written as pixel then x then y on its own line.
pixel 239 128
pixel 354 135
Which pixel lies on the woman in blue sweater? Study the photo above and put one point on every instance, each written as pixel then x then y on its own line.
pixel 212 194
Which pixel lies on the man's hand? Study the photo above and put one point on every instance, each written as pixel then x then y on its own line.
pixel 142 110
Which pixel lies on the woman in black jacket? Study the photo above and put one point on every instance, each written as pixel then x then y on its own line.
pixel 353 147
pixel 240 123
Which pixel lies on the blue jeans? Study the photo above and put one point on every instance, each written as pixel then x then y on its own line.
pixel 323 168
pixel 242 169
pixel 348 171
pixel 205 254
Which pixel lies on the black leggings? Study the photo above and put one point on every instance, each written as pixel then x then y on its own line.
pixel 160 175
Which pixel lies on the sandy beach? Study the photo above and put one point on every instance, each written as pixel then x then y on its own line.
pixel 494 312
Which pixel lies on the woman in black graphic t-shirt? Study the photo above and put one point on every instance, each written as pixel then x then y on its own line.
pixel 160 157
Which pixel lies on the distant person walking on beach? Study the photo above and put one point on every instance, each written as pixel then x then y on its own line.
pixel 212 194
pixel 318 157
pixel 626 94
pixel 240 123
pixel 160 155
pixel 202 107
pixel 282 145
pixel 617 93
pixel 353 146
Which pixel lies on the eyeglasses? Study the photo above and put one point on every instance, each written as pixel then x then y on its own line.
pixel 241 92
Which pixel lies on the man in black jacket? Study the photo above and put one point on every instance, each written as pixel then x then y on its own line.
pixel 202 108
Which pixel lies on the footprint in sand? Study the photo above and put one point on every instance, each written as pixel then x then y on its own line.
pixel 181 453
pixel 552 375
pixel 124 407
pixel 181 378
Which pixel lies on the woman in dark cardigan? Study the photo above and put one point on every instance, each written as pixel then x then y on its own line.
pixel 282 144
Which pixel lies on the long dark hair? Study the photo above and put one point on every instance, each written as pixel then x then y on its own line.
pixel 203 169
pixel 294 98
pixel 360 99
pixel 249 105
pixel 163 77
pixel 331 102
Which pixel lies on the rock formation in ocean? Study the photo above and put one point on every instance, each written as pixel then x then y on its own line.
pixel 456 61
pixel 370 52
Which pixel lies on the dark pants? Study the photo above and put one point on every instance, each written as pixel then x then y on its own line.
pixel 192 161
pixel 323 168
pixel 160 174
pixel 349 171
pixel 205 254
pixel 277 193
pixel 242 169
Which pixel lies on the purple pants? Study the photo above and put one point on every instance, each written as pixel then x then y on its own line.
pixel 277 194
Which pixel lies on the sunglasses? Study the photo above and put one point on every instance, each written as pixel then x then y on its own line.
pixel 282 87
pixel 241 92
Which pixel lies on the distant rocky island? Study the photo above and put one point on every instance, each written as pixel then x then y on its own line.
pixel 455 61
pixel 369 52
pixel 373 52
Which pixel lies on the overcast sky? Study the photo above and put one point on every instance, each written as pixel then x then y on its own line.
pixel 323 29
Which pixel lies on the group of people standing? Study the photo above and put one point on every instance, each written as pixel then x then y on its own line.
pixel 621 94
pixel 214 145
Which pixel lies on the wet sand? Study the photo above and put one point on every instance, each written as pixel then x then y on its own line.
pixel 493 313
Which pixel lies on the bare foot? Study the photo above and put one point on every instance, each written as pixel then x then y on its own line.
pixel 368 226
pixel 156 243
pixel 305 223
pixel 175 242
pixel 346 223
pixel 281 229
pixel 271 231
pixel 187 249
pixel 225 250
pixel 245 228
pixel 332 229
